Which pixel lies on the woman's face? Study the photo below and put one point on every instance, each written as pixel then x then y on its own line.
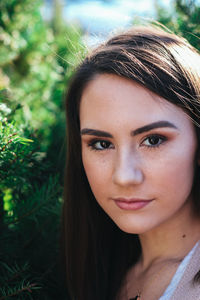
pixel 138 151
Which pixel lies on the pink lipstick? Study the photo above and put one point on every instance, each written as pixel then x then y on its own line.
pixel 131 204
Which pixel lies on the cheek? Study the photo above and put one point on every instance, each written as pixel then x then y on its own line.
pixel 98 172
pixel 175 174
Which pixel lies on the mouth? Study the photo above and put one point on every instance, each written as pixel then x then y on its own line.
pixel 131 204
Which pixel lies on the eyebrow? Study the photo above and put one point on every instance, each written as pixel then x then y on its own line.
pixel 159 124
pixel 146 128
pixel 100 133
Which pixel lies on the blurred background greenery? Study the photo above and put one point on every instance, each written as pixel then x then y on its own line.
pixel 37 59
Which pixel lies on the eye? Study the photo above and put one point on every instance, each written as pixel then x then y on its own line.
pixel 154 141
pixel 100 145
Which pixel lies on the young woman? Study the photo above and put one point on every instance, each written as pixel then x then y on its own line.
pixel 131 213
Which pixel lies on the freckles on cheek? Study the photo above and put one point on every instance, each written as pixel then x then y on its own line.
pixel 96 171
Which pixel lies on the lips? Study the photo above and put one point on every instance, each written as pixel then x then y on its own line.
pixel 132 204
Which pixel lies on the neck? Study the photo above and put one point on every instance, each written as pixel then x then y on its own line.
pixel 170 240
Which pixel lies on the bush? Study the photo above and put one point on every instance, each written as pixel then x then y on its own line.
pixel 183 19
pixel 36 62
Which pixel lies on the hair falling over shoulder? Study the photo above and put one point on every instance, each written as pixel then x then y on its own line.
pixel 97 253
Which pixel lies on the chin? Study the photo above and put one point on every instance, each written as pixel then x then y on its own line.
pixel 132 229
pixel 136 226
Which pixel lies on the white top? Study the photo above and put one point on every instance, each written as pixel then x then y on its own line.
pixel 177 276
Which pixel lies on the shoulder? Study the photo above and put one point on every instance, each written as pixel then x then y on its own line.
pixel 187 288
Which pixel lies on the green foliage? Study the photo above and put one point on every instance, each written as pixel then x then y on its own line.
pixel 29 222
pixel 36 62
pixel 28 64
pixel 183 19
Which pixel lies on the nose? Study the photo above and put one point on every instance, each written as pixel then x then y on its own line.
pixel 127 169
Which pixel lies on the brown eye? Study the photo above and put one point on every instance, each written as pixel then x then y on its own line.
pixel 154 141
pixel 100 145
pixel 103 144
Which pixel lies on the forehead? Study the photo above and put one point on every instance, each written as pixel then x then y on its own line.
pixel 111 98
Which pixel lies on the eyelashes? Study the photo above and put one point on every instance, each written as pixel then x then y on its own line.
pixel 100 145
pixel 152 141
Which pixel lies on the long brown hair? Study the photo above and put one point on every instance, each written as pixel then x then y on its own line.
pixel 97 252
